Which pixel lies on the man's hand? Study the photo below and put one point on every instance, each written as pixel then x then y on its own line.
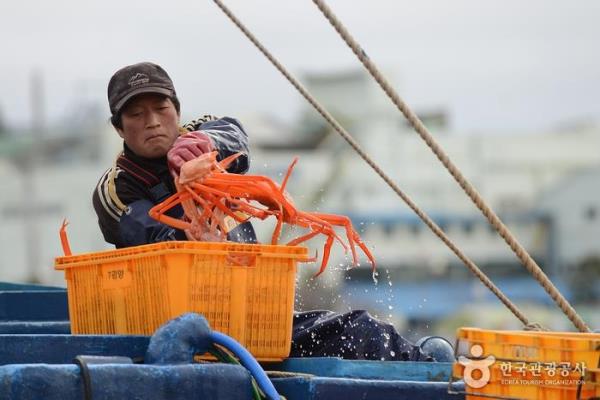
pixel 187 147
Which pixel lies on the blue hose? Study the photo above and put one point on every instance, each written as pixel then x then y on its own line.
pixel 247 361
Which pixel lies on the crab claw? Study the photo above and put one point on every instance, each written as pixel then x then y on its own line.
pixel 226 162
pixel 64 240
pixel 326 252
pixel 196 168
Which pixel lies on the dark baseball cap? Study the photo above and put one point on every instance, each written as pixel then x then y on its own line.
pixel 132 80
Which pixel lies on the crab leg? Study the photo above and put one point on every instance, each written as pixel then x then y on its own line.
pixel 353 236
pixel 288 173
pixel 308 219
pixel 174 222
pixel 158 211
pixel 303 238
pixel 326 251
pixel 340 220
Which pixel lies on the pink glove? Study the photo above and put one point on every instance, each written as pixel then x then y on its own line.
pixel 187 147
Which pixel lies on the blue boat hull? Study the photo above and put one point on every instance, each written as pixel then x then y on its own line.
pixel 37 352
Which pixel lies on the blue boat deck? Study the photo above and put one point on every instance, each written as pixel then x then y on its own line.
pixel 37 353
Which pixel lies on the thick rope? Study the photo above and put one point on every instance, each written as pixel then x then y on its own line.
pixel 424 217
pixel 416 123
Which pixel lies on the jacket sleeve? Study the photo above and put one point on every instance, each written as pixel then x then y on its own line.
pixel 229 138
pixel 123 215
pixel 136 227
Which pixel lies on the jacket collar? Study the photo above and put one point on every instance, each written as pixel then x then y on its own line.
pixel 157 165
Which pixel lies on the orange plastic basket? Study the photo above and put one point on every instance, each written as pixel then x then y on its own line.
pixel 592 379
pixel 531 364
pixel 244 290
pixel 533 346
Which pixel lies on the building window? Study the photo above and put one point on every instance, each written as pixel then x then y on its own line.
pixel 415 229
pixel 590 213
pixel 467 228
pixel 388 229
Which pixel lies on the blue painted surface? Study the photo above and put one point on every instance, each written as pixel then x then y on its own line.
pixel 8 286
pixel 35 327
pixel 338 378
pixel 33 316
pixel 334 367
pixel 119 381
pixel 34 305
pixel 194 381
pixel 62 349
pixel 306 388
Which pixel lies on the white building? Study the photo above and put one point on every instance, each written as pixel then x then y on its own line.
pixel 574 206
pixel 510 172
pixel 34 202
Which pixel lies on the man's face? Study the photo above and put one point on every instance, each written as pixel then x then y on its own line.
pixel 150 125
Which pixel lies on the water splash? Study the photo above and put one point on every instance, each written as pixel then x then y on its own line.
pixel 374 275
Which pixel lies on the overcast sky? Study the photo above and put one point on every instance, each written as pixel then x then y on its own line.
pixel 497 66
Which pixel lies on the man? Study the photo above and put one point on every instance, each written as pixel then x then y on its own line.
pixel 146 113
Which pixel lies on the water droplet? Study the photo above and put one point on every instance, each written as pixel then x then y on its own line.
pixel 392 353
pixel 390 307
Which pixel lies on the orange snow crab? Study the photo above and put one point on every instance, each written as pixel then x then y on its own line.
pixel 209 194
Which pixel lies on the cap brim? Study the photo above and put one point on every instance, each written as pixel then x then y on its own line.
pixel 142 90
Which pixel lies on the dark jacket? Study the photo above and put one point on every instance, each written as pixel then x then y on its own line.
pixel 133 185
